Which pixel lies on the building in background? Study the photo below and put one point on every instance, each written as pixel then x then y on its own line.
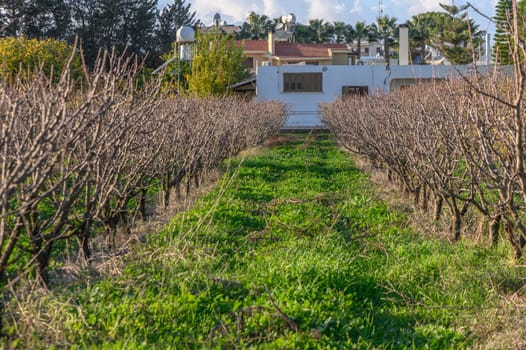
pixel 303 87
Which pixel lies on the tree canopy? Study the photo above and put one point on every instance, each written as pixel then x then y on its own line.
pixel 170 19
pixel 138 27
pixel 217 64
pixel 256 26
pixel 143 29
pixel 450 32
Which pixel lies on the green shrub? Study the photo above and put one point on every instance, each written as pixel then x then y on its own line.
pixel 23 57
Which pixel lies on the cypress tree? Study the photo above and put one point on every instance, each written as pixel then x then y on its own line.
pixel 38 19
pixel 115 24
pixel 502 39
pixel 170 19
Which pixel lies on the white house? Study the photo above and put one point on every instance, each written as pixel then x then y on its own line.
pixel 304 87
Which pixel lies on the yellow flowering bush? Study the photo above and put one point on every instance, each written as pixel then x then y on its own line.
pixel 22 57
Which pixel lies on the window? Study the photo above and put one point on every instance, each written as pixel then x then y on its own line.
pixel 397 84
pixel 249 63
pixel 302 82
pixel 355 90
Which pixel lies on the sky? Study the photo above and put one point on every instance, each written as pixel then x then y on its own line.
pixel 348 11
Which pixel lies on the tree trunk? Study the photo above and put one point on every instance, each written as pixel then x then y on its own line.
pixel 124 219
pixel 494 228
pixel 42 272
pixel 517 250
pixel 425 199
pixel 188 185
pixel 142 204
pixel 41 252
pixel 456 226
pixel 84 254
pixel 417 193
pixel 3 297
pixel 439 203
pixel 166 190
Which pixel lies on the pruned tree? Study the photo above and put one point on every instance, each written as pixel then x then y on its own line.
pixel 462 140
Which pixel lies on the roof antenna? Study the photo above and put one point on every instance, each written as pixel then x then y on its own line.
pixel 380 8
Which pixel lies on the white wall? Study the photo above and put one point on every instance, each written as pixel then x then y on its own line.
pixel 303 107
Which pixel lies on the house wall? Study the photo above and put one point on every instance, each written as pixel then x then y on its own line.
pixel 340 59
pixel 303 107
pixel 314 62
pixel 258 58
pixel 368 49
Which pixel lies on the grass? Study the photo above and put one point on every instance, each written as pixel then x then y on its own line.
pixel 293 249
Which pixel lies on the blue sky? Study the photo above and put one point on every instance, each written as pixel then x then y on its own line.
pixel 348 11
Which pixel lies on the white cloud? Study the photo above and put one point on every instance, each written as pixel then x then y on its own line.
pixel 348 11
pixel 329 10
pixel 410 8
pixel 356 7
pixel 274 9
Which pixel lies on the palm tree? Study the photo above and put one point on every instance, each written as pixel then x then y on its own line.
pixel 321 31
pixel 361 32
pixel 342 32
pixel 256 26
pixel 421 27
pixel 387 32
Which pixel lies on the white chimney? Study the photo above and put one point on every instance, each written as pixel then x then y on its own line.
pixel 271 44
pixel 403 54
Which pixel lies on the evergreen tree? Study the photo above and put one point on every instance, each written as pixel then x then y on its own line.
pixel 502 38
pixel 138 29
pixel 11 17
pixel 169 20
pixel 39 19
pixel 450 32
pixel 45 19
pixel 115 24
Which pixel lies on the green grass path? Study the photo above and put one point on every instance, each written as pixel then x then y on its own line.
pixel 292 250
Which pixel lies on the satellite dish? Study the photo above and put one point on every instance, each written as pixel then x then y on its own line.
pixel 291 18
pixel 185 34
pixel 279 26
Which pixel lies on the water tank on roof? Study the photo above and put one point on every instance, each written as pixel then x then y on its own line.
pixel 185 34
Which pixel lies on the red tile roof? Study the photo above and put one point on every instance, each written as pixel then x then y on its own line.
pixel 253 45
pixel 306 50
pixel 285 49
